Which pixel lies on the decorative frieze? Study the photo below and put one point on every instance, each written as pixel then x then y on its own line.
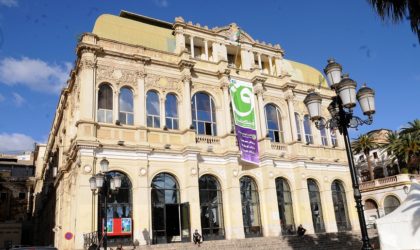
pixel 115 75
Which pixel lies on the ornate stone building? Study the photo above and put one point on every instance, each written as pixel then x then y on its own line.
pixel 151 98
pixel 390 186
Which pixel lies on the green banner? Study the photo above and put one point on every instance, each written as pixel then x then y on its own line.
pixel 242 97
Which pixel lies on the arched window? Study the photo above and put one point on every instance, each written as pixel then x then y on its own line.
pixel 119 208
pixel 340 206
pixel 274 126
pixel 298 128
pixel 308 132
pixel 203 114
pixel 316 207
pixel 323 132
pixel 170 218
pixel 371 211
pixel 284 201
pixel 390 204
pixel 126 115
pixel 171 112
pixel 333 137
pixel 104 113
pixel 250 207
pixel 211 208
pixel 153 109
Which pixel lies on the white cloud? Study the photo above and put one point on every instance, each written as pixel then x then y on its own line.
pixel 18 99
pixel 2 98
pixel 15 142
pixel 9 3
pixel 34 73
pixel 161 3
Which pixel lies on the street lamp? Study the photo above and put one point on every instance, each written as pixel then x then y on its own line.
pixel 104 184
pixel 341 111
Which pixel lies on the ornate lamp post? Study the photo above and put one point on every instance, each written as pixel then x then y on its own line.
pixel 341 110
pixel 104 184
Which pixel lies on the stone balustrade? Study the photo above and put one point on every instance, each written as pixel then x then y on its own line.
pixel 387 181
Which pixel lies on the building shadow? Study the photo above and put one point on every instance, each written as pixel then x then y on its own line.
pixel 146 236
pixel 340 240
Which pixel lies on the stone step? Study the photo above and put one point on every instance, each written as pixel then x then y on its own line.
pixel 327 241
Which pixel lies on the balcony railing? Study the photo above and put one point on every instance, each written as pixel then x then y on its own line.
pixel 382 182
pixel 207 139
pixel 278 146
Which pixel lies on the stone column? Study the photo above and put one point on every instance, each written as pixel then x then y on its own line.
pixel 245 60
pixel 215 52
pixel 277 62
pixel 187 101
pixel 270 62
pixel 140 117
pixel 259 90
pixel 226 105
pixel 206 50
pixel 116 105
pixel 179 40
pixel 87 86
pixel 291 110
pixel 162 110
pixel 259 62
pixel 192 46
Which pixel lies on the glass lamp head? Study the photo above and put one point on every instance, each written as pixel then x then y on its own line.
pixel 333 73
pixel 117 181
pixel 104 165
pixel 112 184
pixel 313 104
pixel 99 181
pixel 92 182
pixel 333 107
pixel 366 98
pixel 346 89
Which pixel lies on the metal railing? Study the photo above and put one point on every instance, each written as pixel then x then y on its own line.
pixel 90 239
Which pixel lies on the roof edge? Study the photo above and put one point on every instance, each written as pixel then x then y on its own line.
pixel 145 19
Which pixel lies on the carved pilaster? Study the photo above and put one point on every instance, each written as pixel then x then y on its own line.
pixel 87 64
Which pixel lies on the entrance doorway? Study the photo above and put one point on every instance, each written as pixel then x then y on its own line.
pixel 170 219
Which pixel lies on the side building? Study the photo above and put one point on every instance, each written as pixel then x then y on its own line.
pixel 16 179
pixel 390 185
pixel 150 100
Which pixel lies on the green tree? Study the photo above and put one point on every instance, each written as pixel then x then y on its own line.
pixel 364 144
pixel 404 146
pixel 399 10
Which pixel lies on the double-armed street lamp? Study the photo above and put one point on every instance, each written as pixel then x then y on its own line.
pixel 104 184
pixel 342 117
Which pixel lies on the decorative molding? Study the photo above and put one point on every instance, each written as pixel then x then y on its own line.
pixel 87 64
pixel 186 64
pixel 163 84
pixel 115 75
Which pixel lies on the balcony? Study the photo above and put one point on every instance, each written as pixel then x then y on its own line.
pixel 395 180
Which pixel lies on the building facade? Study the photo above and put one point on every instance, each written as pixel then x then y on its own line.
pixel 390 185
pixel 151 99
pixel 16 177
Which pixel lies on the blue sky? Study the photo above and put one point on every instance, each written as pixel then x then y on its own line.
pixel 38 39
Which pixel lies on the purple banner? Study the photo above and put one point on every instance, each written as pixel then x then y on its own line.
pixel 248 144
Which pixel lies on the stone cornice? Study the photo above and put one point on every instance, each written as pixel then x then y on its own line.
pixel 186 64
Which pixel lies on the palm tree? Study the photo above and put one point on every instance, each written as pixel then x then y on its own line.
pixel 412 128
pixel 399 10
pixel 364 144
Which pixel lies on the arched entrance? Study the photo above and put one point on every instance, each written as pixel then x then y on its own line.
pixel 340 206
pixel 371 212
pixel 390 204
pixel 170 218
pixel 211 208
pixel 119 211
pixel 250 207
pixel 316 207
pixel 285 206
